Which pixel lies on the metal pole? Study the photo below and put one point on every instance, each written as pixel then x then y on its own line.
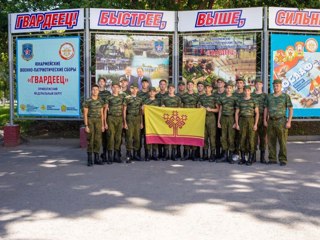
pixel 87 80
pixel 265 50
pixel 175 65
pixel 10 51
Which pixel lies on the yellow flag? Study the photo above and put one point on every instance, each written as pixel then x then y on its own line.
pixel 181 126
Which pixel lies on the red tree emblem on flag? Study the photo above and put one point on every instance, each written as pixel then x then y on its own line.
pixel 175 121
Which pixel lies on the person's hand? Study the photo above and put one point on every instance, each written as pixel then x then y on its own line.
pixel 237 127
pixel 265 123
pixel 288 125
pixel 106 126
pixel 87 129
pixel 219 125
pixel 255 128
pixel 141 126
pixel 102 129
pixel 125 126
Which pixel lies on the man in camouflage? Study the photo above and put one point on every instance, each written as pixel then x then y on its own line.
pixel 151 148
pixel 247 117
pixel 210 77
pixel 94 124
pixel 181 89
pixel 103 94
pixel 261 133
pixel 226 122
pixel 114 122
pixel 276 122
pixel 189 72
pixel 132 122
pixel 189 100
pixel 209 102
pixel 201 93
pixel 171 100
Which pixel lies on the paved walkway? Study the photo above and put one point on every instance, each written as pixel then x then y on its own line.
pixel 47 193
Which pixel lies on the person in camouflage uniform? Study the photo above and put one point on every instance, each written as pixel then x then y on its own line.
pixel 171 100
pixel 132 122
pixel 226 122
pixel 114 122
pixel 261 133
pixel 189 100
pixel 94 124
pixel 247 117
pixel 238 94
pixel 276 122
pixel 210 77
pixel 210 103
pixel 201 93
pixel 181 89
pixel 220 83
pixel 161 94
pixel 189 72
pixel 152 101
pixel 103 94
pixel 124 86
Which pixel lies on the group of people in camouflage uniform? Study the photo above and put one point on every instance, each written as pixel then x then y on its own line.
pixel 236 123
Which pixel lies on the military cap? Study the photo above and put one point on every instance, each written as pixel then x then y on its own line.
pixel 163 80
pixel 221 79
pixel 153 89
pixel 277 81
pixel 115 83
pixel 144 80
pixel 181 83
pixel 258 80
pixel 200 82
pixel 134 85
pixel 206 84
pixel 171 85
pixel 230 83
pixel 190 81
pixel 247 87
pixel 123 79
pixel 240 79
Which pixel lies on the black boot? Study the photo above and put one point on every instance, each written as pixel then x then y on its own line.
pixel 197 153
pixel 205 155
pixel 218 153
pixel 173 154
pixel 223 157
pixel 136 155
pixel 147 156
pixel 250 159
pixel 254 157
pixel 110 159
pixel 90 162
pixel 193 155
pixel 117 156
pixel 128 157
pixel 229 157
pixel 178 155
pixel 97 160
pixel 154 155
pixel 243 159
pixel 213 156
pixel 165 155
pixel 104 155
pixel 160 151
pixel 262 159
pixel 186 154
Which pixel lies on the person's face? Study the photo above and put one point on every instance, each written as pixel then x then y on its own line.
pixel 259 86
pixel 128 71
pixel 200 87
pixel 181 88
pixel 95 91
pixel 124 84
pixel 115 89
pixel 220 84
pixel 152 93
pixel 162 85
pixel 140 72
pixel 229 89
pixel 208 89
pixel 247 92
pixel 190 86
pixel 134 90
pixel 171 90
pixel 102 83
pixel 190 64
pixel 277 87
pixel 145 84
pixel 240 84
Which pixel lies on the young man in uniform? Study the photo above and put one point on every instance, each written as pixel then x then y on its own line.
pixel 226 122
pixel 201 93
pixel 261 133
pixel 209 102
pixel 171 100
pixel 132 122
pixel 275 120
pixel 94 124
pixel 189 100
pixel 181 89
pixel 151 148
pixel 247 117
pixel 114 122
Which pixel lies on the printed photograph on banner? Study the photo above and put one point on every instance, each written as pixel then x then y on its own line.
pixel 295 59
pixel 228 56
pixel 133 57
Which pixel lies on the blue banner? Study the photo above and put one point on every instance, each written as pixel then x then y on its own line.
pixel 48 77
pixel 295 59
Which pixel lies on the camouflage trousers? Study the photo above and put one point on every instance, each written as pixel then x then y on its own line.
pixel 246 134
pixel 260 135
pixel 210 132
pixel 133 132
pixel 114 132
pixel 94 136
pixel 227 132
pixel 277 131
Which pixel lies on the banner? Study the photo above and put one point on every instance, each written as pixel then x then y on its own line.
pixel 223 19
pixel 72 19
pixel 227 56
pixel 132 56
pixel 132 20
pixel 294 19
pixel 295 59
pixel 179 126
pixel 48 76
